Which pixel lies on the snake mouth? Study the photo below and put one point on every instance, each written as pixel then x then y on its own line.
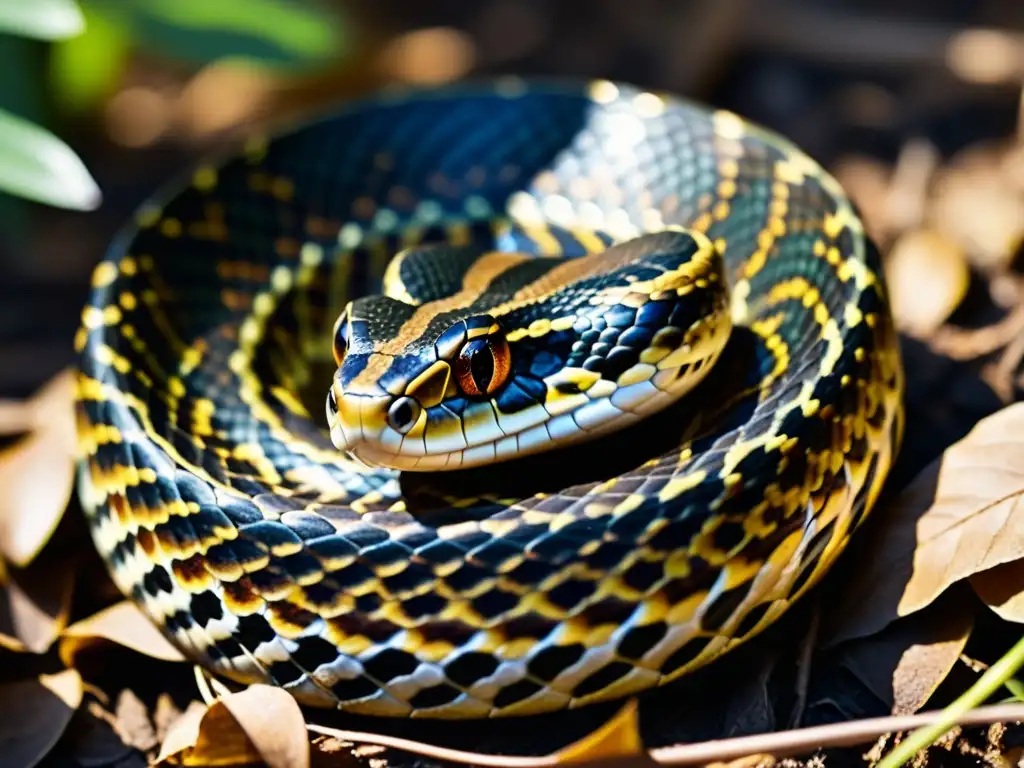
pixel 354 420
pixel 397 433
pixel 388 432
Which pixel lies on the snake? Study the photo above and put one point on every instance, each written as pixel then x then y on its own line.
pixel 484 399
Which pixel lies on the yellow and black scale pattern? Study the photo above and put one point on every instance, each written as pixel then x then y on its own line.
pixel 222 507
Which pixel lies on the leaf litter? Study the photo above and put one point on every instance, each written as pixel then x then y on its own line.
pixel 37 474
pixel 962 515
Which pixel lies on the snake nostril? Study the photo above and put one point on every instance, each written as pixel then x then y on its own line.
pixel 403 413
pixel 332 403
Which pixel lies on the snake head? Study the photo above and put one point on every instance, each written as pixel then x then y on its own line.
pixel 524 353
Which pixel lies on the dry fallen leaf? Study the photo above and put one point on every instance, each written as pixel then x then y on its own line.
pixel 963 514
pixel 183 732
pixel 35 714
pixel 618 738
pixel 1002 589
pixel 750 761
pixel 904 663
pixel 925 664
pixel 928 277
pixel 15 417
pixel 261 724
pixel 34 609
pixel 37 474
pixel 978 205
pixel 866 180
pixel 123 624
pixel 132 722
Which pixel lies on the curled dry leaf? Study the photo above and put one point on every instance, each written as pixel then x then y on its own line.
pixel 926 662
pixel 618 738
pixel 182 734
pixel 35 714
pixel 1002 589
pixel 37 474
pixel 261 724
pixel 962 515
pixel 123 624
pixel 928 277
pixel 906 662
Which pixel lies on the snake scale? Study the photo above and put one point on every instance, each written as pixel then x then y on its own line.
pixel 473 278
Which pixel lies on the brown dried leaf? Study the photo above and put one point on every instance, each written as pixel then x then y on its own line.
pixel 925 665
pixel 1002 589
pixel 904 663
pixel 123 624
pixel 183 732
pixel 866 180
pixel 928 277
pixel 34 609
pixel 15 417
pixel 978 205
pixel 618 738
pixel 37 474
pixel 35 714
pixel 962 515
pixel 133 724
pixel 261 724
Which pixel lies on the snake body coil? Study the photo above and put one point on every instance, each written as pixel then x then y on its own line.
pixel 683 236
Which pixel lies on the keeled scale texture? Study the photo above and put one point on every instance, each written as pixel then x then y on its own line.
pixel 229 517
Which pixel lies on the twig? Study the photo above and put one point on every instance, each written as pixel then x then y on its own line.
pixel 786 744
pixel 876 42
pixel 203 684
pixel 1000 374
pixel 962 344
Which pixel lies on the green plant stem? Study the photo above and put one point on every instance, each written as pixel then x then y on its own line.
pixel 993 679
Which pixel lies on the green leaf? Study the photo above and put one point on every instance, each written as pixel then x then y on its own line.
pixel 85 69
pixel 1016 687
pixel 42 19
pixel 37 165
pixel 295 28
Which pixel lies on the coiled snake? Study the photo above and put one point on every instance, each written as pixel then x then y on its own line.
pixel 498 270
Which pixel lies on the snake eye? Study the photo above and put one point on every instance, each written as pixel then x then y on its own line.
pixel 483 365
pixel 340 343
